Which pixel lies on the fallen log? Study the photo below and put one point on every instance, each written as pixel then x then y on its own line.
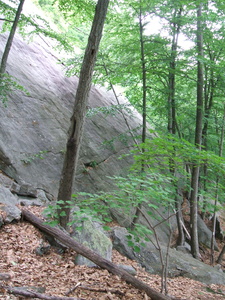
pixel 91 255
pixel 31 294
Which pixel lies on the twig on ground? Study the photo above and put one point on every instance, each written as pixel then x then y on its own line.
pixel 73 289
pixel 32 294
pixel 95 289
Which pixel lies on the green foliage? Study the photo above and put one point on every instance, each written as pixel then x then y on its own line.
pixel 78 11
pixel 51 212
pixel 111 110
pixel 153 190
pixel 122 137
pixel 90 165
pixel 27 159
pixel 9 84
pixel 30 25
pixel 167 152
pixel 93 164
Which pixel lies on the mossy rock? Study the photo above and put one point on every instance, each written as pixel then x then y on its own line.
pixel 92 236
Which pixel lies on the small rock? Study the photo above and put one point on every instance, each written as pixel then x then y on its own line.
pixel 1 221
pixel 5 276
pixel 42 250
pixel 218 267
pixel 185 249
pixel 27 190
pixel 128 269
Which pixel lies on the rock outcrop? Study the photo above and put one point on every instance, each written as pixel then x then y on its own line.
pixel 179 263
pixel 33 134
pixel 34 127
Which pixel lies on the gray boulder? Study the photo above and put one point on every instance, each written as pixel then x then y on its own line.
pixel 10 197
pixel 8 204
pixel 92 235
pixel 24 190
pixel 180 264
pixel 33 128
pixel 205 234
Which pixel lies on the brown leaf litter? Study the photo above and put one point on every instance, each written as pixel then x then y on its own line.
pixel 58 275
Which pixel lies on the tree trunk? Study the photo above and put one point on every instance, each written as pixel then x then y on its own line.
pixel 194 212
pixel 172 69
pixel 221 142
pixel 172 114
pixel 198 138
pixel 10 38
pixel 209 88
pixel 79 112
pixel 91 255
pixel 144 106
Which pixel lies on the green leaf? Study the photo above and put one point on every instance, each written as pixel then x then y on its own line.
pixel 136 248
pixel 62 214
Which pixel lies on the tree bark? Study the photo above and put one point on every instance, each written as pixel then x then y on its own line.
pixel 172 72
pixel 144 107
pixel 10 38
pixel 221 142
pixel 198 138
pixel 209 90
pixel 172 114
pixel 79 112
pixel 91 255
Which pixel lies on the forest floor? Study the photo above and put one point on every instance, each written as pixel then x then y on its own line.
pixel 59 275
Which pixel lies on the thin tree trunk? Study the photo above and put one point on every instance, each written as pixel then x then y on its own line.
pixel 118 102
pixel 194 212
pixel 79 112
pixel 91 255
pixel 179 218
pixel 172 115
pixel 172 75
pixel 198 139
pixel 221 142
pixel 144 107
pixel 10 38
pixel 209 89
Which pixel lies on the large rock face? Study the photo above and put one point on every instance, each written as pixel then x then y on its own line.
pixel 34 128
pixel 33 134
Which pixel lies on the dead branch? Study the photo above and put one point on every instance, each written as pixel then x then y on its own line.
pixel 94 257
pixel 73 289
pixel 97 290
pixel 32 294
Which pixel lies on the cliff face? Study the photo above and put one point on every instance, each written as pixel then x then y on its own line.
pixel 33 128
pixel 33 134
